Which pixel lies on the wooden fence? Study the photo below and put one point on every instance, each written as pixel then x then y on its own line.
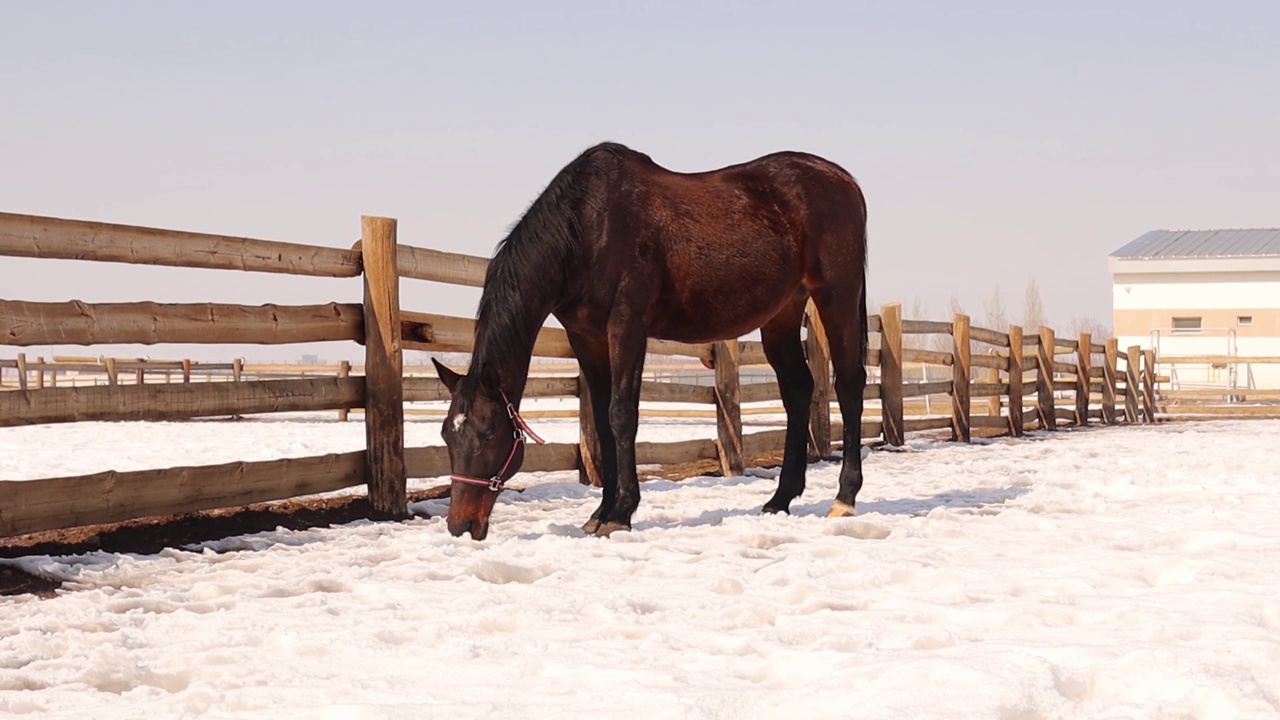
pixel 996 381
pixel 1214 400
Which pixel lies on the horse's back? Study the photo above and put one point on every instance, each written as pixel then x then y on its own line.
pixel 724 250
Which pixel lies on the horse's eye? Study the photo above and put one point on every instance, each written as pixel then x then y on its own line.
pixel 487 437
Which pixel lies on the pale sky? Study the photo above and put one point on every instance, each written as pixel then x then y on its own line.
pixel 995 141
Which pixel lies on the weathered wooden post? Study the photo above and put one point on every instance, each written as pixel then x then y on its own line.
pixel 1132 386
pixel 1109 381
pixel 819 356
pixel 113 378
pixel 993 401
pixel 1149 384
pixel 344 370
pixel 22 371
pixel 891 374
pixel 384 369
pixel 961 427
pixel 1015 381
pixel 728 407
pixel 237 369
pixel 1044 379
pixel 186 370
pixel 1083 362
pixel 39 373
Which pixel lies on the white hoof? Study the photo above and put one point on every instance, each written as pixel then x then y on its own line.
pixel 840 509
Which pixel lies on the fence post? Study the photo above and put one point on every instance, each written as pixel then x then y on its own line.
pixel 1109 381
pixel 891 374
pixel 1044 379
pixel 344 370
pixel 1084 352
pixel 113 378
pixel 961 428
pixel 819 355
pixel 22 371
pixel 1149 384
pixel 186 370
pixel 590 471
pixel 237 369
pixel 40 373
pixel 384 369
pixel 728 407
pixel 993 401
pixel 1015 381
pixel 1132 387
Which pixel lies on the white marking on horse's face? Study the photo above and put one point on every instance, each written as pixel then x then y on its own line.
pixel 458 420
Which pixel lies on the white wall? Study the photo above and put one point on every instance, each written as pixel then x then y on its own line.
pixel 1188 290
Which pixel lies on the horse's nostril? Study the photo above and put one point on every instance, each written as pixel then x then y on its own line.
pixel 457 529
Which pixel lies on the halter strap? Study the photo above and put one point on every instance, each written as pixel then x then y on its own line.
pixel 522 433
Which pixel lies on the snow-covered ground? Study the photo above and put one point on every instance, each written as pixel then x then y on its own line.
pixel 1127 572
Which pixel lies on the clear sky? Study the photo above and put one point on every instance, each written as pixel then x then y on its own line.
pixel 996 141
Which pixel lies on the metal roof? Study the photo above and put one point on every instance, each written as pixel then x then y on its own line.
pixel 1203 244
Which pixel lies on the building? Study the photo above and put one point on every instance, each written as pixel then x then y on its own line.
pixel 1198 293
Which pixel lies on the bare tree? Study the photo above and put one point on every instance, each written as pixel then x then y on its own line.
pixel 1099 330
pixel 1032 308
pixel 942 343
pixel 919 311
pixel 997 316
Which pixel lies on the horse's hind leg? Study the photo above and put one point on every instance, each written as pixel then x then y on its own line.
pixel 785 352
pixel 593 359
pixel 843 312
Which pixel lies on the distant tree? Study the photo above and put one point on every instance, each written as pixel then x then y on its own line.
pixel 997 317
pixel 942 343
pixel 918 311
pixel 1099 330
pixel 1032 308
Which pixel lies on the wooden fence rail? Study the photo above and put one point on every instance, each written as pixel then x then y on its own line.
pixel 994 366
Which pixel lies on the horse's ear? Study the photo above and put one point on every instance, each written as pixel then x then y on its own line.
pixel 489 379
pixel 447 376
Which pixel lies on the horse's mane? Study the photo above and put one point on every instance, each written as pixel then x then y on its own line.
pixel 530 264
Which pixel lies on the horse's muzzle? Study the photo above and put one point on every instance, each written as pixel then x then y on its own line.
pixel 478 529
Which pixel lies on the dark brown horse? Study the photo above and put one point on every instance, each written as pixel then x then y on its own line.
pixel 620 249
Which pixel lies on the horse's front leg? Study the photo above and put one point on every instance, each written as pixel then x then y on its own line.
pixel 626 361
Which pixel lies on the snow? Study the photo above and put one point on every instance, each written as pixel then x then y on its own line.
pixel 1108 573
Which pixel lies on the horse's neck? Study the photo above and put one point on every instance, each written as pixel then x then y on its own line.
pixel 507 342
pixel 513 370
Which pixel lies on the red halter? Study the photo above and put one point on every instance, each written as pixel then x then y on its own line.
pixel 522 432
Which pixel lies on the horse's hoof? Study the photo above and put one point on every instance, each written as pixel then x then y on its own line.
pixel 609 528
pixel 591 526
pixel 841 509
pixel 776 510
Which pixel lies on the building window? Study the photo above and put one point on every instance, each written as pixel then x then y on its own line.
pixel 1189 325
pixel 1244 320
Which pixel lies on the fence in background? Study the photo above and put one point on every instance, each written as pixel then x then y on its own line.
pixel 991 381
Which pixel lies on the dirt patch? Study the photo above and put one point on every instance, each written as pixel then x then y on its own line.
pixel 151 535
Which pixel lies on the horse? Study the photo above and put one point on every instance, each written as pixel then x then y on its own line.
pixel 620 249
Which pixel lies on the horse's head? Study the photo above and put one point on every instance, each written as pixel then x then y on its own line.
pixel 485 447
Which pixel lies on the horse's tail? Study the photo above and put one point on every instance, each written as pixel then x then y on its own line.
pixel 862 299
pixel 862 309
